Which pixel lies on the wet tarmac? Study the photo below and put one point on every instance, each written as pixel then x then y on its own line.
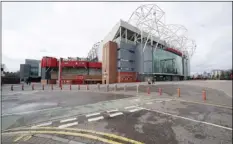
pixel 168 121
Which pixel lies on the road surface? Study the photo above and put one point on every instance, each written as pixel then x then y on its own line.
pixel 119 115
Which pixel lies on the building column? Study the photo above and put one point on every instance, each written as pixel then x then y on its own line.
pixel 126 35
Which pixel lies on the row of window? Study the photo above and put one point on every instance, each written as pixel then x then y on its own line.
pixel 126 60
pixel 124 68
pixel 131 51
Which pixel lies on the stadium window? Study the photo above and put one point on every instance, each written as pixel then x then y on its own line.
pixel 131 51
pixel 131 61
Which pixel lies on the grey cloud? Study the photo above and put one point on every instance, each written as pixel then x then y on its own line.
pixel 70 29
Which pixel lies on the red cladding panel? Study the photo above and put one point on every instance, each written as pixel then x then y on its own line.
pixel 95 65
pixel 80 77
pixel 74 64
pixel 49 62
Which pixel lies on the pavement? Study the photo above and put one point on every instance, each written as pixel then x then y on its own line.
pixel 118 114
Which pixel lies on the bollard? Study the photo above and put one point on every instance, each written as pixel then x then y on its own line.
pixel 22 87
pixel 160 91
pixel 107 87
pixel 87 88
pixel 78 87
pixel 148 90
pixel 125 88
pixel 178 92
pixel 12 88
pixel 52 86
pixel 115 88
pixel 204 95
pixel 98 86
pixel 61 87
pixel 32 86
pixel 43 87
pixel 137 88
pixel 70 87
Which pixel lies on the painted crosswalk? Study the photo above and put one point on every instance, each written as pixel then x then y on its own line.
pixel 92 117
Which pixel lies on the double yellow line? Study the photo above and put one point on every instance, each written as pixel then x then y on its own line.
pixel 76 132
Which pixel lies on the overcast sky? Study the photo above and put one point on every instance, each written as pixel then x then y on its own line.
pixel 33 30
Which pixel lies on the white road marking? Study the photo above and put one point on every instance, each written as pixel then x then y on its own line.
pixel 93 114
pixel 193 120
pixel 95 119
pixel 43 124
pixel 68 125
pixel 116 114
pixel 159 101
pixel 149 103
pixel 114 110
pixel 168 100
pixel 66 120
pixel 130 107
pixel 134 110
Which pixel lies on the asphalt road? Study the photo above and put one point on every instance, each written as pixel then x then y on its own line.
pixel 187 91
pixel 147 118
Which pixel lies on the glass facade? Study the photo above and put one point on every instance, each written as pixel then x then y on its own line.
pixel 167 62
pixel 34 71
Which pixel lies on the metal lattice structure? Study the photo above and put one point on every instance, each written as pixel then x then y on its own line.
pixel 151 20
pixel 93 53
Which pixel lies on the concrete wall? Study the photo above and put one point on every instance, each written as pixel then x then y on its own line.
pixel 24 71
pixel 45 74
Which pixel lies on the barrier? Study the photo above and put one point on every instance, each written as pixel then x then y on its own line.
pixel 87 87
pixel 70 87
pixel 107 87
pixel 137 88
pixel 178 92
pixel 98 85
pixel 115 87
pixel 43 87
pixel 12 88
pixel 125 88
pixel 160 91
pixel 148 90
pixel 204 95
pixel 22 87
pixel 61 87
pixel 78 87
pixel 32 86
pixel 52 86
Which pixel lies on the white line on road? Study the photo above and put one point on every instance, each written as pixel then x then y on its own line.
pixel 149 103
pixel 43 124
pixel 66 120
pixel 93 114
pixel 130 107
pixel 114 110
pixel 134 110
pixel 95 119
pixel 116 114
pixel 193 120
pixel 68 125
pixel 159 101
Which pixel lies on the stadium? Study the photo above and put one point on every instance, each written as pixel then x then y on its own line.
pixel 141 48
pixel 145 47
